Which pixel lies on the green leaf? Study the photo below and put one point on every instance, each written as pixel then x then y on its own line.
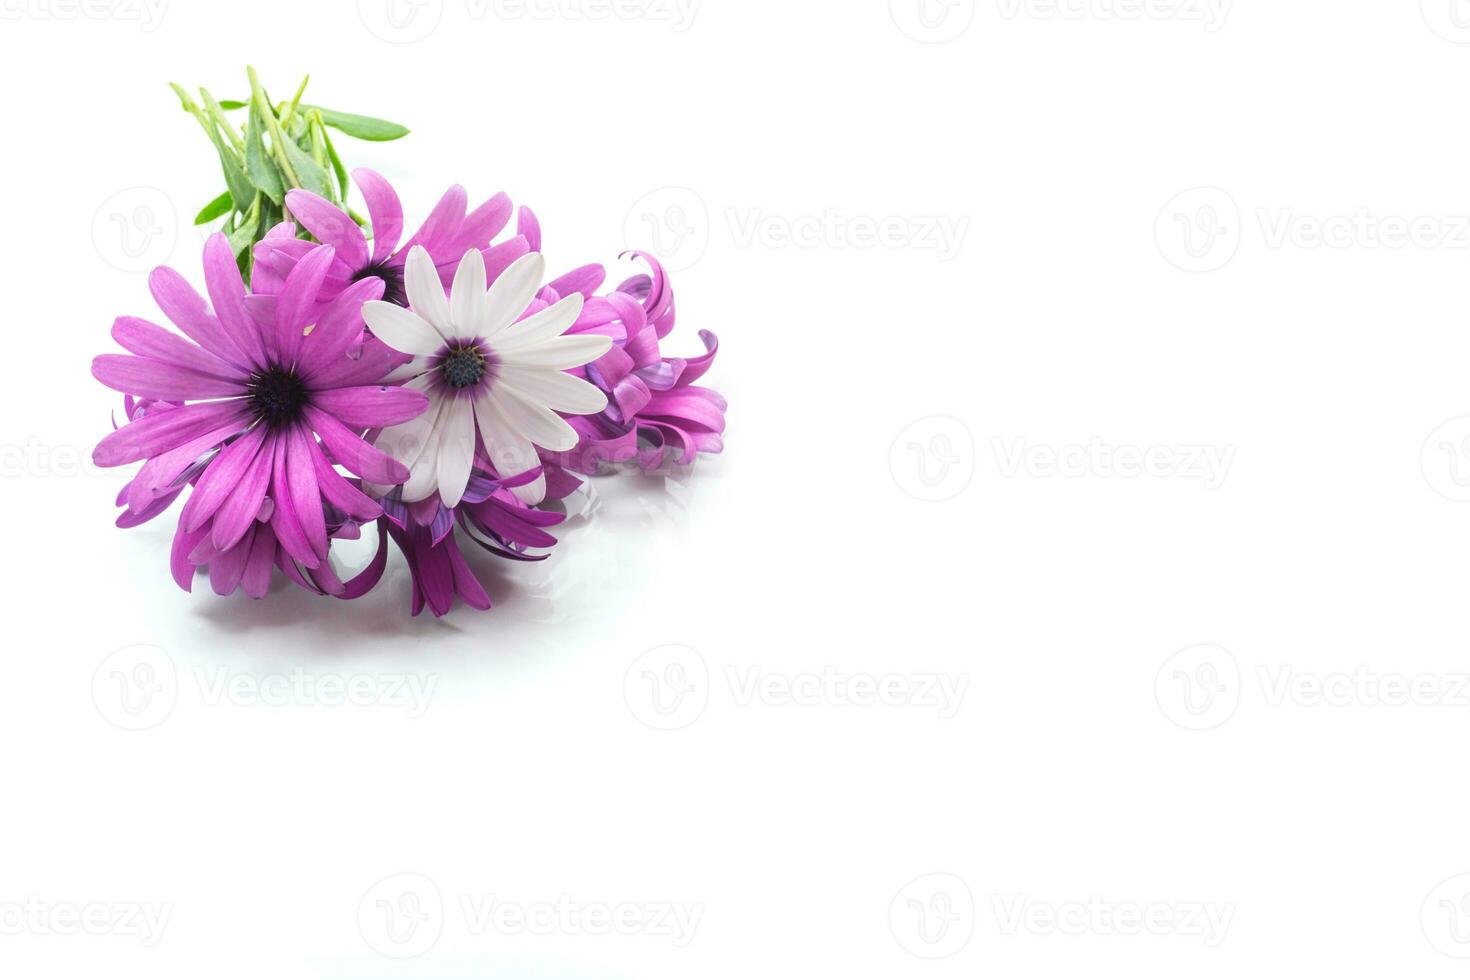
pixel 243 237
pixel 337 167
pixel 241 190
pixel 362 127
pixel 258 164
pixel 312 175
pixel 232 104
pixel 221 205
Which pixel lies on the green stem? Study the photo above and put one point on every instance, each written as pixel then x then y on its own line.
pixel 278 138
pixel 218 116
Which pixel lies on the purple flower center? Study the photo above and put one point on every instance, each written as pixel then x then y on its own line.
pixel 277 395
pixel 393 291
pixel 463 367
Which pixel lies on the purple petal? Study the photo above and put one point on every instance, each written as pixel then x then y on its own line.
pixel 151 340
pixel 155 434
pixel 153 378
pixel 372 407
pixel 384 212
pixel 330 225
pixel 352 452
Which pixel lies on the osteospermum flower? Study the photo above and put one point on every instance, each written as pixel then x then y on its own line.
pixel 252 399
pixel 445 235
pixel 489 378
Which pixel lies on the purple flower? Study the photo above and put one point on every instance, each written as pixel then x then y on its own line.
pixel 237 410
pixel 655 413
pixel 446 235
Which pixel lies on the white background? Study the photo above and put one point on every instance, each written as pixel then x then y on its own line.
pixel 903 500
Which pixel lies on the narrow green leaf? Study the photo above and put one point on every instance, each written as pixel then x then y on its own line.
pixel 221 205
pixel 337 166
pixel 262 171
pixel 232 104
pixel 311 175
pixel 243 237
pixel 362 127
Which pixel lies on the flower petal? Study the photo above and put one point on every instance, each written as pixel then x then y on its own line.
pixel 536 422
pixel 152 378
pixel 403 330
pixel 154 434
pixel 510 452
pixel 467 304
pixel 561 353
pixel 426 292
pixel 330 225
pixel 349 449
pixel 555 389
pixel 540 327
pixel 456 449
pixel 385 213
pixel 374 406
pixel 512 292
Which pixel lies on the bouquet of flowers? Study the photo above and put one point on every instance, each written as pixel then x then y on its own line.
pixel 337 374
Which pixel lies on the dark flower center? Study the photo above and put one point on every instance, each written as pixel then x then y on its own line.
pixel 278 396
pixel 463 367
pixel 393 291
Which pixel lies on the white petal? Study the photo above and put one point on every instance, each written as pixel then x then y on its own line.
pixel 403 330
pixel 467 295
pixel 560 353
pixel 407 372
pixel 541 327
pixel 536 422
pixel 510 453
pixel 426 292
pixel 512 292
pixel 423 475
pixel 409 441
pixel 554 389
pixel 456 450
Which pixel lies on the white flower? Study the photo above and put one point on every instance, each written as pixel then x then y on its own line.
pixel 484 372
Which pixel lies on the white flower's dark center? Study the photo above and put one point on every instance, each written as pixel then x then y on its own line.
pixel 463 367
pixel 393 291
pixel 277 395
